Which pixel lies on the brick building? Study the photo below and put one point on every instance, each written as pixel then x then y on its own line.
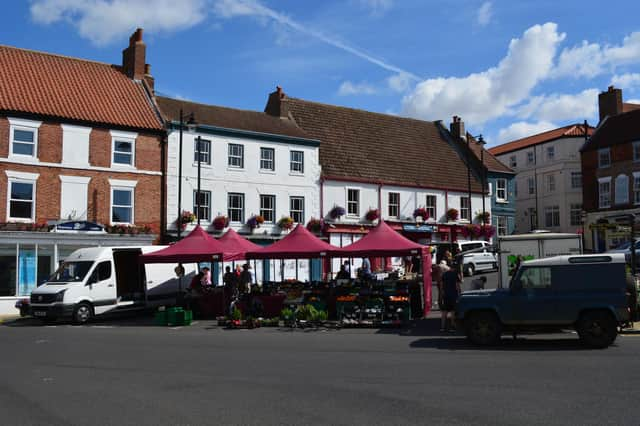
pixel 611 172
pixel 79 141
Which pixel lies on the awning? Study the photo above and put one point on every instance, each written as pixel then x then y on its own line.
pixel 381 241
pixel 198 246
pixel 299 244
pixel 236 246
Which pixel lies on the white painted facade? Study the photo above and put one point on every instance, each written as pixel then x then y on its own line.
pixel 552 183
pixel 220 179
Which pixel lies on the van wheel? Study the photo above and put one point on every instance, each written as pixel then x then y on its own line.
pixel 597 329
pixel 82 313
pixel 470 270
pixel 483 328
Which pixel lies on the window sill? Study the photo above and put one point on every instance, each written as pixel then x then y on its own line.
pixel 502 201
pixel 202 165
pixel 235 169
pixel 122 223
pixel 122 166
pixel 296 174
pixel 267 172
pixel 27 158
pixel 20 220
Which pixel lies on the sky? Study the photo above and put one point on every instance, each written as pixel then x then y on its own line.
pixel 509 68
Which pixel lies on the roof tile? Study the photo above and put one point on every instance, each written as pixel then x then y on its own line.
pixel 571 130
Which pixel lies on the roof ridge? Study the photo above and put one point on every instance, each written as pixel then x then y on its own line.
pixel 364 111
pixel 216 106
pixel 58 55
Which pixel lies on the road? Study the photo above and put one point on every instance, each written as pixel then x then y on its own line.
pixel 128 372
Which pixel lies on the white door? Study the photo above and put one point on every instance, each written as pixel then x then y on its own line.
pixel 102 287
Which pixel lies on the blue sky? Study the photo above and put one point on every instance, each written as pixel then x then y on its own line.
pixel 508 68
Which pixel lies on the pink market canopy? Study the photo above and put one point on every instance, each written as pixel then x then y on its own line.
pixel 198 246
pixel 299 244
pixel 236 246
pixel 381 241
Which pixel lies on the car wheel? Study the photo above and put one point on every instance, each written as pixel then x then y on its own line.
pixel 597 329
pixel 82 313
pixel 483 328
pixel 470 270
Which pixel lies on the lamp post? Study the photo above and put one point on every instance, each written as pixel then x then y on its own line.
pixel 191 124
pixel 482 143
pixel 198 141
pixel 468 175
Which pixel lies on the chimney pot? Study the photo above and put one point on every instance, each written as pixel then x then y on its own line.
pixel 133 57
pixel 610 102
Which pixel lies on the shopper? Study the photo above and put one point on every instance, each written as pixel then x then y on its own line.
pixel 449 292
pixel 230 281
pixel 245 279
pixel 206 277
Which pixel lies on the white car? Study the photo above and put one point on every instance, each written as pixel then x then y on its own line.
pixel 481 259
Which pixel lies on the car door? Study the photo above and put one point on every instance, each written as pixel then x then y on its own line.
pixel 532 298
pixel 101 286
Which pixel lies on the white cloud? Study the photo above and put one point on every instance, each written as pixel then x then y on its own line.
pixel 348 88
pixel 233 8
pixel 522 129
pixel 480 97
pixel 399 82
pixel 485 13
pixel 626 81
pixel 561 107
pixel 103 21
pixel 591 59
pixel 376 7
pixel 633 101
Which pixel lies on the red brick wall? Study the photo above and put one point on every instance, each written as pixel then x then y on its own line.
pixel 147 194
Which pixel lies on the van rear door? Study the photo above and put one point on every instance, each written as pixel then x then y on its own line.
pixel 130 275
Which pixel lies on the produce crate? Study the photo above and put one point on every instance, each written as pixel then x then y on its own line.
pixel 345 309
pixel 160 317
pixel 179 317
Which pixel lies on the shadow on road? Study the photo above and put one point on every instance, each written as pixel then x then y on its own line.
pixel 521 344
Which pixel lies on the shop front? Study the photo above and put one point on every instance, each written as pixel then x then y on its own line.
pixel 29 258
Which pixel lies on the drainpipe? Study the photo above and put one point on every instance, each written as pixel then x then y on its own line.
pixel 380 199
pixel 321 197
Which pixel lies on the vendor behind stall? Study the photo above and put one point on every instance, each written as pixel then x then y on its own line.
pixel 343 274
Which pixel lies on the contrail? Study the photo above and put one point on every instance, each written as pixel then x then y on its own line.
pixel 230 8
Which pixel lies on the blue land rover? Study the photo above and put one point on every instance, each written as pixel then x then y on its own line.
pixel 588 293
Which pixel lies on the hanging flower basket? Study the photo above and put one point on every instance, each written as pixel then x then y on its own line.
pixel 127 229
pixel 185 218
pixel 336 212
pixel 285 223
pixel 487 231
pixel 483 217
pixel 471 231
pixel 372 215
pixel 220 222
pixel 452 215
pixel 315 225
pixel 255 221
pixel 421 212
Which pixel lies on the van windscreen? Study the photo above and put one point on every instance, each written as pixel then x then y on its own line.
pixel 71 272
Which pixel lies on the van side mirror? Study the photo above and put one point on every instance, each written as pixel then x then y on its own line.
pixel 93 279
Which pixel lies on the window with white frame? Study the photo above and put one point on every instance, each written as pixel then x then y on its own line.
pixel 531 158
pixel 531 184
pixel 490 189
pixel 551 216
pixel 123 146
pixel 501 225
pixel 604 193
pixel 622 189
pixel 22 200
pixel 122 205
pixel 636 188
pixel 394 204
pixel 297 162
pixel 431 206
pixel 551 152
pixel 513 161
pixel 296 209
pixel 551 183
pixel 501 190
pixel 24 137
pixel 575 214
pixel 465 208
pixel 268 208
pixel 235 207
pixel 576 180
pixel 205 151
pixel 267 159
pixel 205 205
pixel 236 156
pixel 353 202
pixel 604 157
pixel 636 151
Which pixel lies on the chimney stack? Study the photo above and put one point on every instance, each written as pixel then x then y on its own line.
pixel 610 102
pixel 457 127
pixel 277 104
pixel 133 58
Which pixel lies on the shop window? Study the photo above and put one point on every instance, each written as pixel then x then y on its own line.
pixel 205 205
pixel 8 270
pixel 268 208
pixel 353 202
pixel 394 204
pixel 431 206
pixel 236 156
pixel 235 207
pixel 267 159
pixel 22 200
pixel 296 209
pixel 297 162
pixel 205 151
pixel 122 205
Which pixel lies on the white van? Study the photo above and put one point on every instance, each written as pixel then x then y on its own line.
pixel 93 281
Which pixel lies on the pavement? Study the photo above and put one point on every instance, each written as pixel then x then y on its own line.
pixel 127 371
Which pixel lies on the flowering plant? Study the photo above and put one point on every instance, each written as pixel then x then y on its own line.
pixel 452 215
pixel 483 217
pixel 471 231
pixel 336 212
pixel 255 221
pixel 127 229
pixel 185 218
pixel 421 212
pixel 220 222
pixel 314 225
pixel 285 223
pixel 372 215
pixel 487 231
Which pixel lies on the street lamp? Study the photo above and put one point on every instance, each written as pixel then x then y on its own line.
pixel 191 125
pixel 482 143
pixel 198 141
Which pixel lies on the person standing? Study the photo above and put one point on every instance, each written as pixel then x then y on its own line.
pixel 245 279
pixel 449 292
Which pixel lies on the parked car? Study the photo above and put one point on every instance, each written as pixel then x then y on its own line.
pixel 625 248
pixel 588 293
pixel 476 255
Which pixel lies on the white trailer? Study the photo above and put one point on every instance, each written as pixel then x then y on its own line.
pixel 513 249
